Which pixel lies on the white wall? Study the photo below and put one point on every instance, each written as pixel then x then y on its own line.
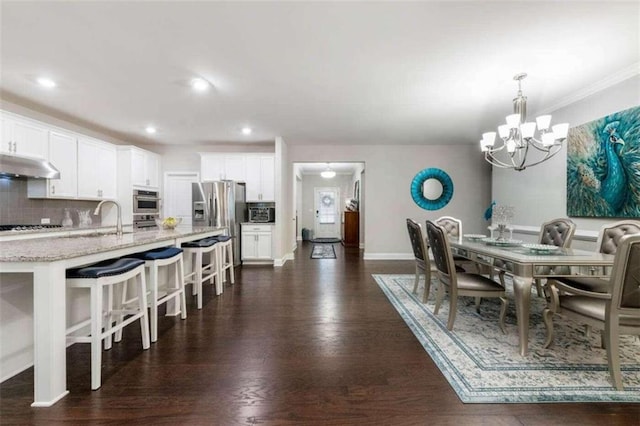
pixel 284 232
pixel 386 188
pixel 539 193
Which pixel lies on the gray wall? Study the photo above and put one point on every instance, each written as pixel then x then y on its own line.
pixel 309 182
pixel 385 187
pixel 539 193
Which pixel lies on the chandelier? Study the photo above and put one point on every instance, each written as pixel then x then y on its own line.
pixel 518 137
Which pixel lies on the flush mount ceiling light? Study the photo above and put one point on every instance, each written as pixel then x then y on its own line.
pixel 246 130
pixel 518 137
pixel 150 130
pixel 46 82
pixel 328 173
pixel 200 85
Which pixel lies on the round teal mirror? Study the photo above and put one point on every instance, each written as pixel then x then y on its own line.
pixel 432 189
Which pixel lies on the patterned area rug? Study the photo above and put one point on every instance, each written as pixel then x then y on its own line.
pixel 325 240
pixel 484 366
pixel 323 251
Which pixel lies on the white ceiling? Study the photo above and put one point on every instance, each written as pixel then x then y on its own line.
pixel 331 73
pixel 317 168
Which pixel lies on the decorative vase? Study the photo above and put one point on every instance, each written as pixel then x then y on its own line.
pixel 67 222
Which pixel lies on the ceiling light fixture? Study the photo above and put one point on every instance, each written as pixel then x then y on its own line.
pixel 246 130
pixel 200 84
pixel 151 130
pixel 46 82
pixel 328 173
pixel 518 136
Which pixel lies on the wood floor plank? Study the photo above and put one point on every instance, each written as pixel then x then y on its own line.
pixel 312 343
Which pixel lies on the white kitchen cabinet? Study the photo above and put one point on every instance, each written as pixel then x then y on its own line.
pixel 256 242
pixel 63 154
pixel 260 178
pixel 222 167
pixel 23 137
pixel 145 167
pixel 97 163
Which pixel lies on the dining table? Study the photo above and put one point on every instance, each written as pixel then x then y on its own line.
pixel 528 262
pixel 47 259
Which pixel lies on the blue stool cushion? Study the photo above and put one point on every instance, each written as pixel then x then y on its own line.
pixel 105 268
pixel 159 253
pixel 222 238
pixel 205 242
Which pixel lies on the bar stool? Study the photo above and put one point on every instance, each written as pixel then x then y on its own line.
pixel 195 251
pixel 97 277
pixel 226 258
pixel 153 260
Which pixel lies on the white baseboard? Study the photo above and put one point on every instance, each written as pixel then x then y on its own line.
pixel 388 256
pixel 281 262
pixel 299 238
pixel 361 246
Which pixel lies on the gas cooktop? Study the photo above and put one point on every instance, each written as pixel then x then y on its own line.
pixel 26 227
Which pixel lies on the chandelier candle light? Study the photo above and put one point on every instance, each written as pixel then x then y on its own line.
pixel 518 137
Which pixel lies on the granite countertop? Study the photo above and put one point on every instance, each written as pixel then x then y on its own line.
pixel 47 249
pixel 258 223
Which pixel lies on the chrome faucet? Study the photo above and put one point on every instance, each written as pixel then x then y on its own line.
pixel 119 223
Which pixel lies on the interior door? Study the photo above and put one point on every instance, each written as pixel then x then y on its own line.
pixel 327 207
pixel 177 195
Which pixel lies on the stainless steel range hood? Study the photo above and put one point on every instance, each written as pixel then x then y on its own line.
pixel 17 166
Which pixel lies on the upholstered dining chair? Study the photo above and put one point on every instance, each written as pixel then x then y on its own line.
pixel 608 240
pixel 616 310
pixel 556 232
pixel 453 228
pixel 459 283
pixel 423 265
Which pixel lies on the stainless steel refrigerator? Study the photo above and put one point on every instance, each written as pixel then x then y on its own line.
pixel 221 203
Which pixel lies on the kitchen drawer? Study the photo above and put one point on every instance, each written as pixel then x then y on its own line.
pixel 256 228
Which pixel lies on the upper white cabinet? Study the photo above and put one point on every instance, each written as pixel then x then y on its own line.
pixel 23 137
pixel 63 154
pixel 144 166
pixel 222 167
pixel 97 163
pixel 260 178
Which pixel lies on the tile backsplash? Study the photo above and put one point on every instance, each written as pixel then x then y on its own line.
pixel 17 209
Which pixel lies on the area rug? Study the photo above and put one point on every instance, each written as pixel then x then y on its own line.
pixel 325 240
pixel 483 365
pixel 323 251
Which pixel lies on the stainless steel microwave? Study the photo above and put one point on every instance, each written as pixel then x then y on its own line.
pixel 262 214
pixel 146 202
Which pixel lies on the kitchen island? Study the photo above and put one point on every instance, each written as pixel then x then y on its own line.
pixel 47 259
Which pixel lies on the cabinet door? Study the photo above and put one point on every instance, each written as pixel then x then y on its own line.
pixel 138 167
pixel 253 178
pixel 96 169
pixel 30 139
pixel 6 134
pixel 248 245
pixel 267 179
pixel 234 168
pixel 263 248
pixel 153 169
pixel 211 167
pixel 63 154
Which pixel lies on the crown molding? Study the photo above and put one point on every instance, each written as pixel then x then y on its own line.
pixel 618 77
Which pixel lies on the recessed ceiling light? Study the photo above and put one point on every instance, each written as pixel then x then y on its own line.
pixel 151 130
pixel 46 82
pixel 246 130
pixel 200 84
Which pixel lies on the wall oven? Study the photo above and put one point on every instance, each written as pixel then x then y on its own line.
pixel 145 222
pixel 146 202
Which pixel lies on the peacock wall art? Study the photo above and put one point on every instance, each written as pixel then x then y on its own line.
pixel 603 167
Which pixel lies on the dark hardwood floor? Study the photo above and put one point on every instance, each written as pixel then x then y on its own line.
pixel 312 343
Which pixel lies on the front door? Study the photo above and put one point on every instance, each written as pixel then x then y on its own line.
pixel 327 207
